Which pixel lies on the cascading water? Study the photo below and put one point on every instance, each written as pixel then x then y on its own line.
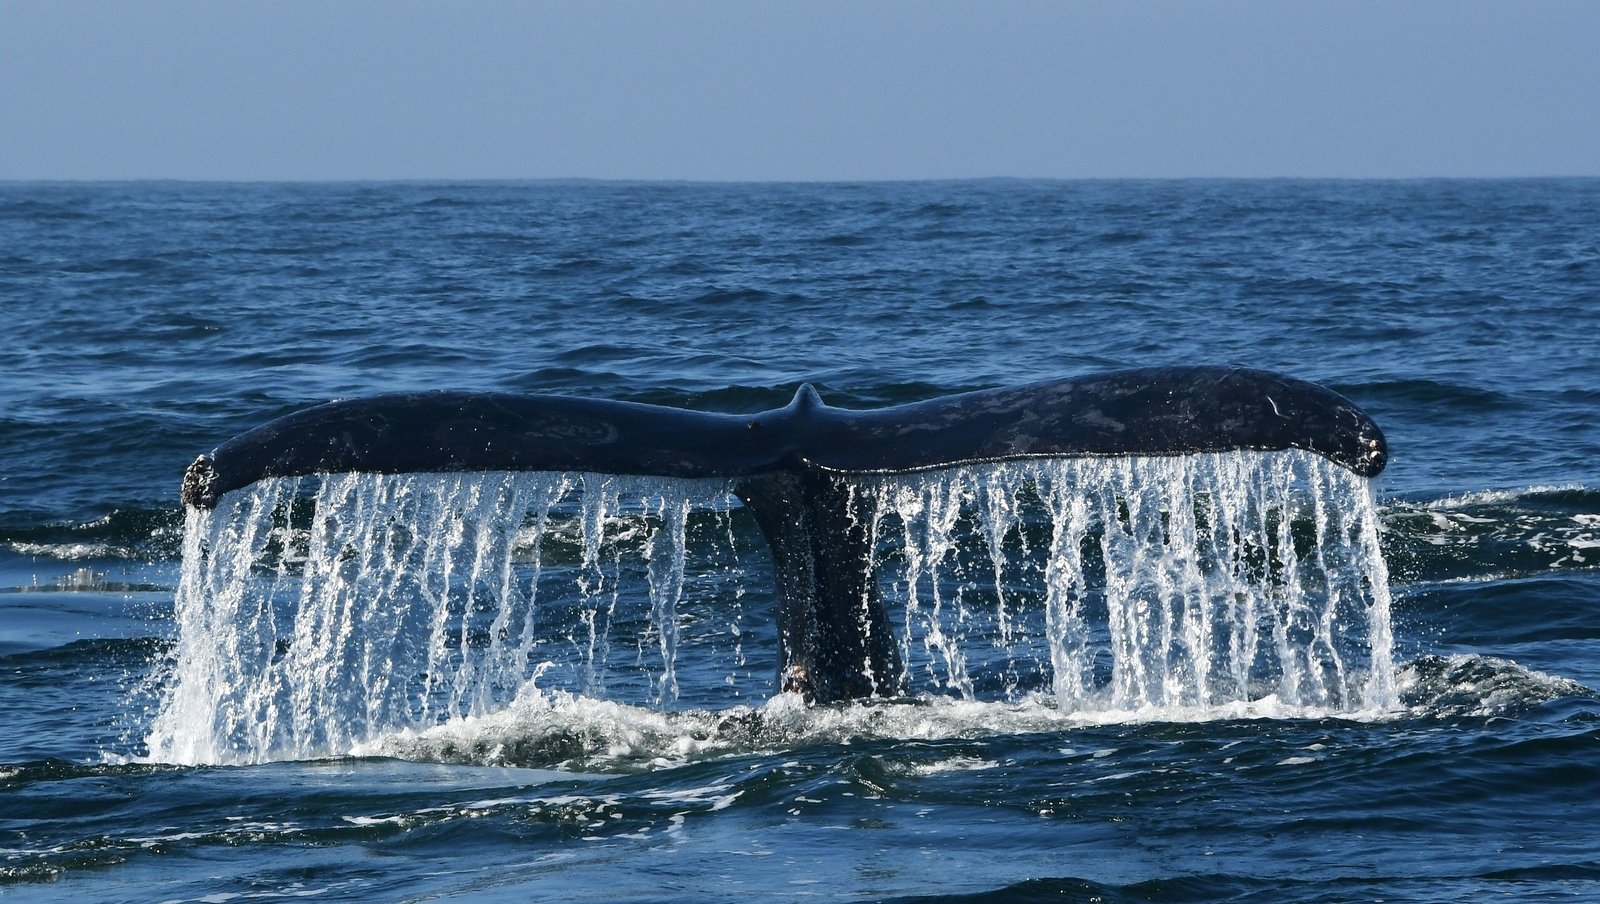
pixel 1188 581
pixel 315 615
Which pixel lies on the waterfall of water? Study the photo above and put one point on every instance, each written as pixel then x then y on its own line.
pixel 1187 581
pixel 405 600
pixel 315 614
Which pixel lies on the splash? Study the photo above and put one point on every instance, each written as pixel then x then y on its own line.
pixel 319 616
pixel 1165 582
pixel 309 621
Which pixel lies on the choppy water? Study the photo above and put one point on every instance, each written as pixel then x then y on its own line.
pixel 1453 751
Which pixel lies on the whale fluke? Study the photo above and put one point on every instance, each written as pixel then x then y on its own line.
pixel 1153 411
pixel 792 466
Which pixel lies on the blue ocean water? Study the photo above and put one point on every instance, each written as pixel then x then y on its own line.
pixel 149 322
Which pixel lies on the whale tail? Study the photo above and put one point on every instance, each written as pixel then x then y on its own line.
pixel 795 467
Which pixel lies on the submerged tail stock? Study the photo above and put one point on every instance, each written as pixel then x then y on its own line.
pixel 793 466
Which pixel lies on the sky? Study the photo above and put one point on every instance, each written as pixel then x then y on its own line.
pixel 779 90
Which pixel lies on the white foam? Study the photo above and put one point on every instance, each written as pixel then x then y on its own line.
pixel 581 733
pixel 954 764
pixel 72 551
pixel 1495 497
pixel 1462 684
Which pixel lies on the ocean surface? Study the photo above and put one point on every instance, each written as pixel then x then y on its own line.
pixel 1437 739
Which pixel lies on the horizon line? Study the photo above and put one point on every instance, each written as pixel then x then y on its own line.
pixel 630 180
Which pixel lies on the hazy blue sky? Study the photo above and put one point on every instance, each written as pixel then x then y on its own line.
pixel 320 89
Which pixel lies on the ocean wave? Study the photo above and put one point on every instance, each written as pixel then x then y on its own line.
pixel 71 552
pixel 1493 533
pixel 566 731
pixel 1468 685
pixel 1427 394
pixel 561 730
pixel 1567 494
pixel 122 533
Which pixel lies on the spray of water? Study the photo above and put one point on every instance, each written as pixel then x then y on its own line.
pixel 1176 582
pixel 317 615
